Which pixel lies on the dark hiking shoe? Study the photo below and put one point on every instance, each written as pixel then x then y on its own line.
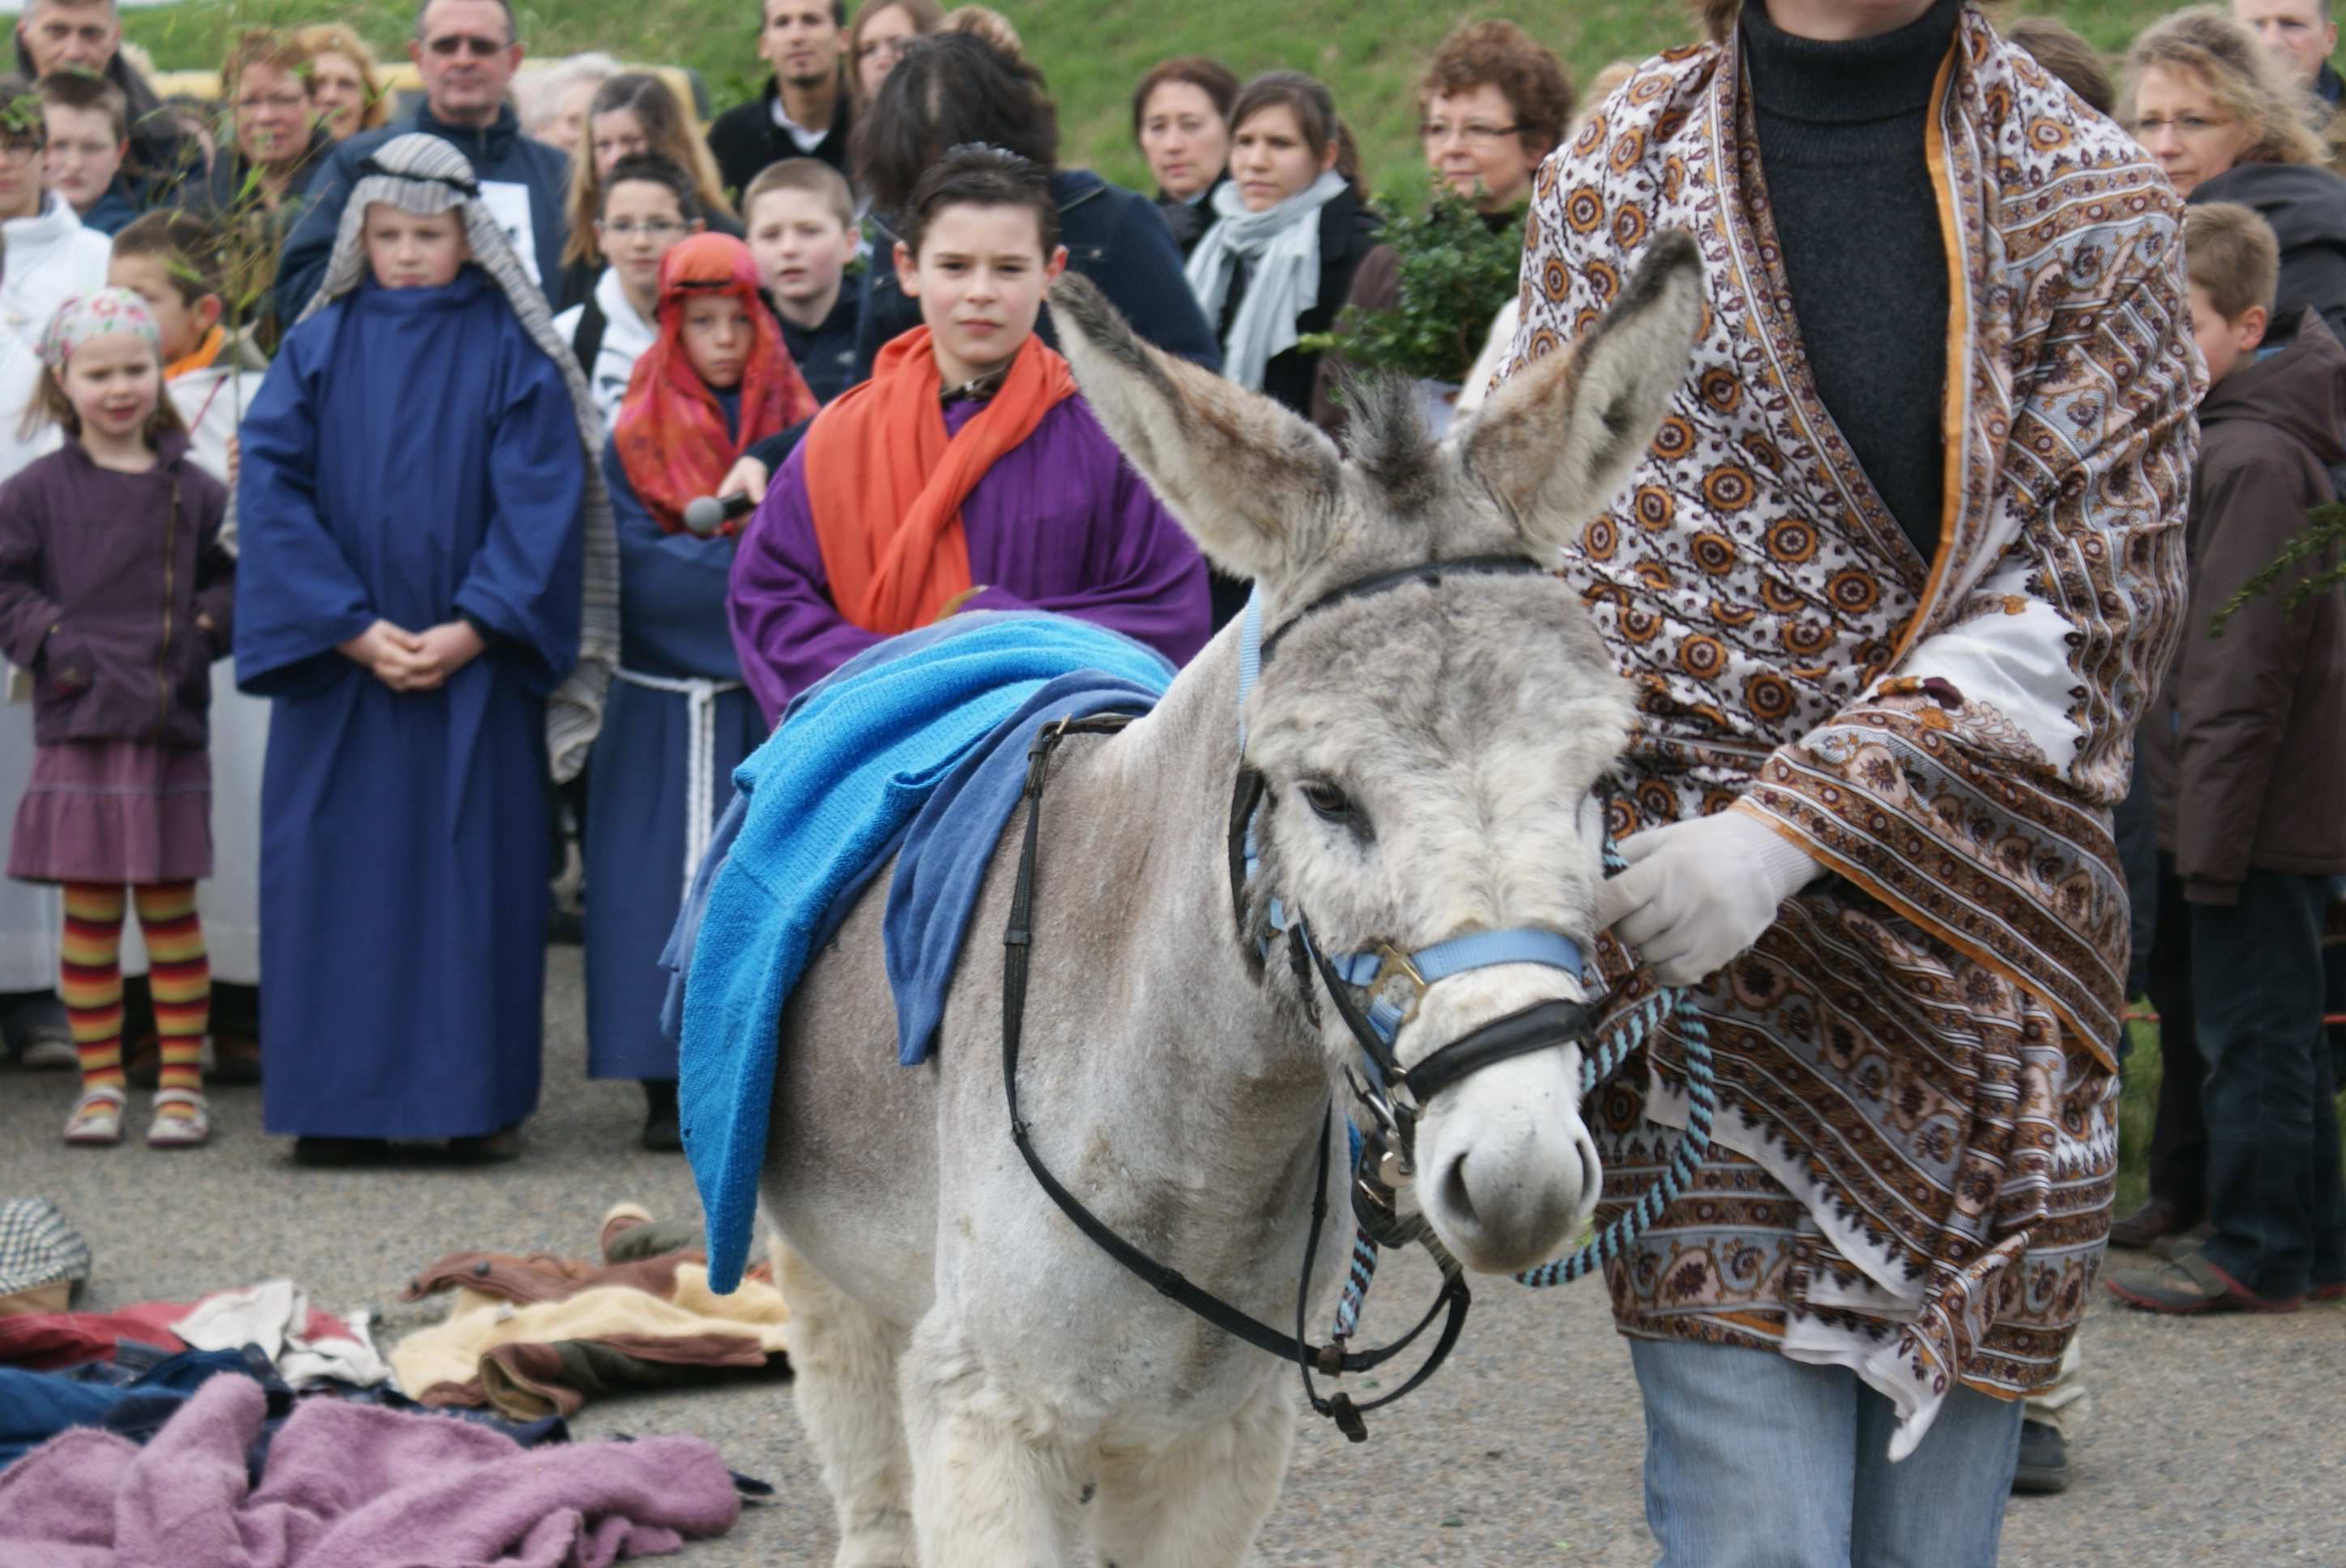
pixel 2043 1460
pixel 333 1153
pixel 2146 1224
pixel 486 1148
pixel 2333 1291
pixel 2192 1284
pixel 662 1135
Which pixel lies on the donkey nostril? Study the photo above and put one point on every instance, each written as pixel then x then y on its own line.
pixel 1454 1195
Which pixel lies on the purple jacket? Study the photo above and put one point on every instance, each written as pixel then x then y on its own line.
pixel 1060 522
pixel 101 580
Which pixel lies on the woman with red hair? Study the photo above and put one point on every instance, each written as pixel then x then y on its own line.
pixel 716 378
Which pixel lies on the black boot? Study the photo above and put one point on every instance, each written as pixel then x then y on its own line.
pixel 661 1133
pixel 2043 1460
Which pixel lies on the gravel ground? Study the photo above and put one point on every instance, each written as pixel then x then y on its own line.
pixel 2210 1441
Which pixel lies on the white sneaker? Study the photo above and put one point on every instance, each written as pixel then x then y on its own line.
pixel 183 1119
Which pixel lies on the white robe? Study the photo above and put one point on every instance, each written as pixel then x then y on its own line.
pixel 47 258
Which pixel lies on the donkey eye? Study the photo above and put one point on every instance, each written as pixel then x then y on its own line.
pixel 1327 799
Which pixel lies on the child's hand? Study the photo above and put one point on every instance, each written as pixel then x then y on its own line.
pixel 442 650
pixel 749 477
pixel 393 655
pixel 205 623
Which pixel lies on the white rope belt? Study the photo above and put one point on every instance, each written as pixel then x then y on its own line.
pixel 699 755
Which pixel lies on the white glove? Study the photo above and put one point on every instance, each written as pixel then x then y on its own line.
pixel 1697 893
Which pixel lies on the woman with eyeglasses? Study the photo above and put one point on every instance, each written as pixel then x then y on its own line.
pixel 2217 113
pixel 632 113
pixel 1492 104
pixel 876 40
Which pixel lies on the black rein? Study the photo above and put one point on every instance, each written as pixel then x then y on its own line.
pixel 1331 1359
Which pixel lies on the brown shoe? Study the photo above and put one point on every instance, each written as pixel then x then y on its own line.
pixel 236 1059
pixel 142 1061
pixel 2146 1224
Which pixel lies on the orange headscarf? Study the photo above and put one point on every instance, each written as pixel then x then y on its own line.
pixel 671 432
pixel 885 484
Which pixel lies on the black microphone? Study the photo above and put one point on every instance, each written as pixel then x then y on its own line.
pixel 704 514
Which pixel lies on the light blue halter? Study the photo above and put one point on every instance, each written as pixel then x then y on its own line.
pixel 1428 966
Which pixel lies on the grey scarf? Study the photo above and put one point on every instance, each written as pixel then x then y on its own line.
pixel 1281 243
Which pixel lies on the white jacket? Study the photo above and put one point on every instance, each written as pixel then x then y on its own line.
pixel 47 258
pixel 625 336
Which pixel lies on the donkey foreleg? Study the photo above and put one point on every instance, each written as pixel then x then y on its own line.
pixel 994 1483
pixel 1198 1501
pixel 844 1358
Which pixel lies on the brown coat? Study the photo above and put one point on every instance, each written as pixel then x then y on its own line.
pixel 2246 745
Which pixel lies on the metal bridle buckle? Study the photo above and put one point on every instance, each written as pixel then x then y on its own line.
pixel 1391 961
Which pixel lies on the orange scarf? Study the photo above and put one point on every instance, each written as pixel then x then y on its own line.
pixel 672 433
pixel 885 484
pixel 206 352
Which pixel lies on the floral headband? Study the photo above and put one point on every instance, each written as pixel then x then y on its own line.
pixel 93 313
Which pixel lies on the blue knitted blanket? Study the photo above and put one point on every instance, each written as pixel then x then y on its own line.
pixel 944 714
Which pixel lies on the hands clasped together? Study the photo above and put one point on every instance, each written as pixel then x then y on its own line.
pixel 1697 893
pixel 414 661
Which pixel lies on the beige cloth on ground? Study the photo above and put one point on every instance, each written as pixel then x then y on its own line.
pixel 451 1351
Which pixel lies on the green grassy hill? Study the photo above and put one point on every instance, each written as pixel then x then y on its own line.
pixel 1369 51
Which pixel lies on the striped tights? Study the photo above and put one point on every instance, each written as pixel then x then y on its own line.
pixel 90 979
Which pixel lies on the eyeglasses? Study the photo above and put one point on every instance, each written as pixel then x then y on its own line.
pixel 892 47
pixel 480 48
pixel 2183 125
pixel 21 150
pixel 627 227
pixel 1473 133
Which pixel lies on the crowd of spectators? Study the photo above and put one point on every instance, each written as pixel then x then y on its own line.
pixel 593 309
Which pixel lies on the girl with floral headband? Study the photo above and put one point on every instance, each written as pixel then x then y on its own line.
pixel 116 594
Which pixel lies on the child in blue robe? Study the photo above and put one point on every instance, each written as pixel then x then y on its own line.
pixel 415 513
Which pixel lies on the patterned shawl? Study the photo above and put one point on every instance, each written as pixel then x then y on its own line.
pixel 1920 1052
pixel 424 174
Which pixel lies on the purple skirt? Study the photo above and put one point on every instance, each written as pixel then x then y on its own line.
pixel 115 813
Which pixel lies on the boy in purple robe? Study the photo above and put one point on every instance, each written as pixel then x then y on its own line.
pixel 967 473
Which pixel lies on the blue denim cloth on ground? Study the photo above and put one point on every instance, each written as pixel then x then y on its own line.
pixel 852 764
pixel 1756 1461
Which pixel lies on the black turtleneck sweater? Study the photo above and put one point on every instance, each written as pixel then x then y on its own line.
pixel 1841 152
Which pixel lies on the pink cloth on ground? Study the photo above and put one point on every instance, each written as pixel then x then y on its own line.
pixel 116 812
pixel 353 1486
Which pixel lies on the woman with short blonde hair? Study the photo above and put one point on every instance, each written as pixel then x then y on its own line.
pixel 2226 124
pixel 345 80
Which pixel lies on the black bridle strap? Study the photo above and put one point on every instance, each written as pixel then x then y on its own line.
pixel 1429 573
pixel 1542 1025
pixel 1017 940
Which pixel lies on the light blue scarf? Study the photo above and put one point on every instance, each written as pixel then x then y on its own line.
pixel 1282 244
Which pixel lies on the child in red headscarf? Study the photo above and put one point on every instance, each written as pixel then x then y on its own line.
pixel 716 378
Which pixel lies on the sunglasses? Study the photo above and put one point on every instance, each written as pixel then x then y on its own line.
pixel 450 44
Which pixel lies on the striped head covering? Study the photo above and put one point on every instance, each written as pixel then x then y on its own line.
pixel 423 175
pixel 93 313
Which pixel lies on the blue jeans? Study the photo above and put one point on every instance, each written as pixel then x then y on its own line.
pixel 1755 1462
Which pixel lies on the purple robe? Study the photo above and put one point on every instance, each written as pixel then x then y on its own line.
pixel 1059 522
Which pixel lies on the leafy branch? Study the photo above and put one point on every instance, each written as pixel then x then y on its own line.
pixel 1455 274
pixel 2325 529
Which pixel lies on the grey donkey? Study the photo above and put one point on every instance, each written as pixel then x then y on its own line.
pixel 970 1368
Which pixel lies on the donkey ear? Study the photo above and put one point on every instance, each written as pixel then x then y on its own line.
pixel 1554 443
pixel 1248 480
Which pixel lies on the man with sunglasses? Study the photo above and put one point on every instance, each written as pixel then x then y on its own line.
pixel 467 53
pixel 164 164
